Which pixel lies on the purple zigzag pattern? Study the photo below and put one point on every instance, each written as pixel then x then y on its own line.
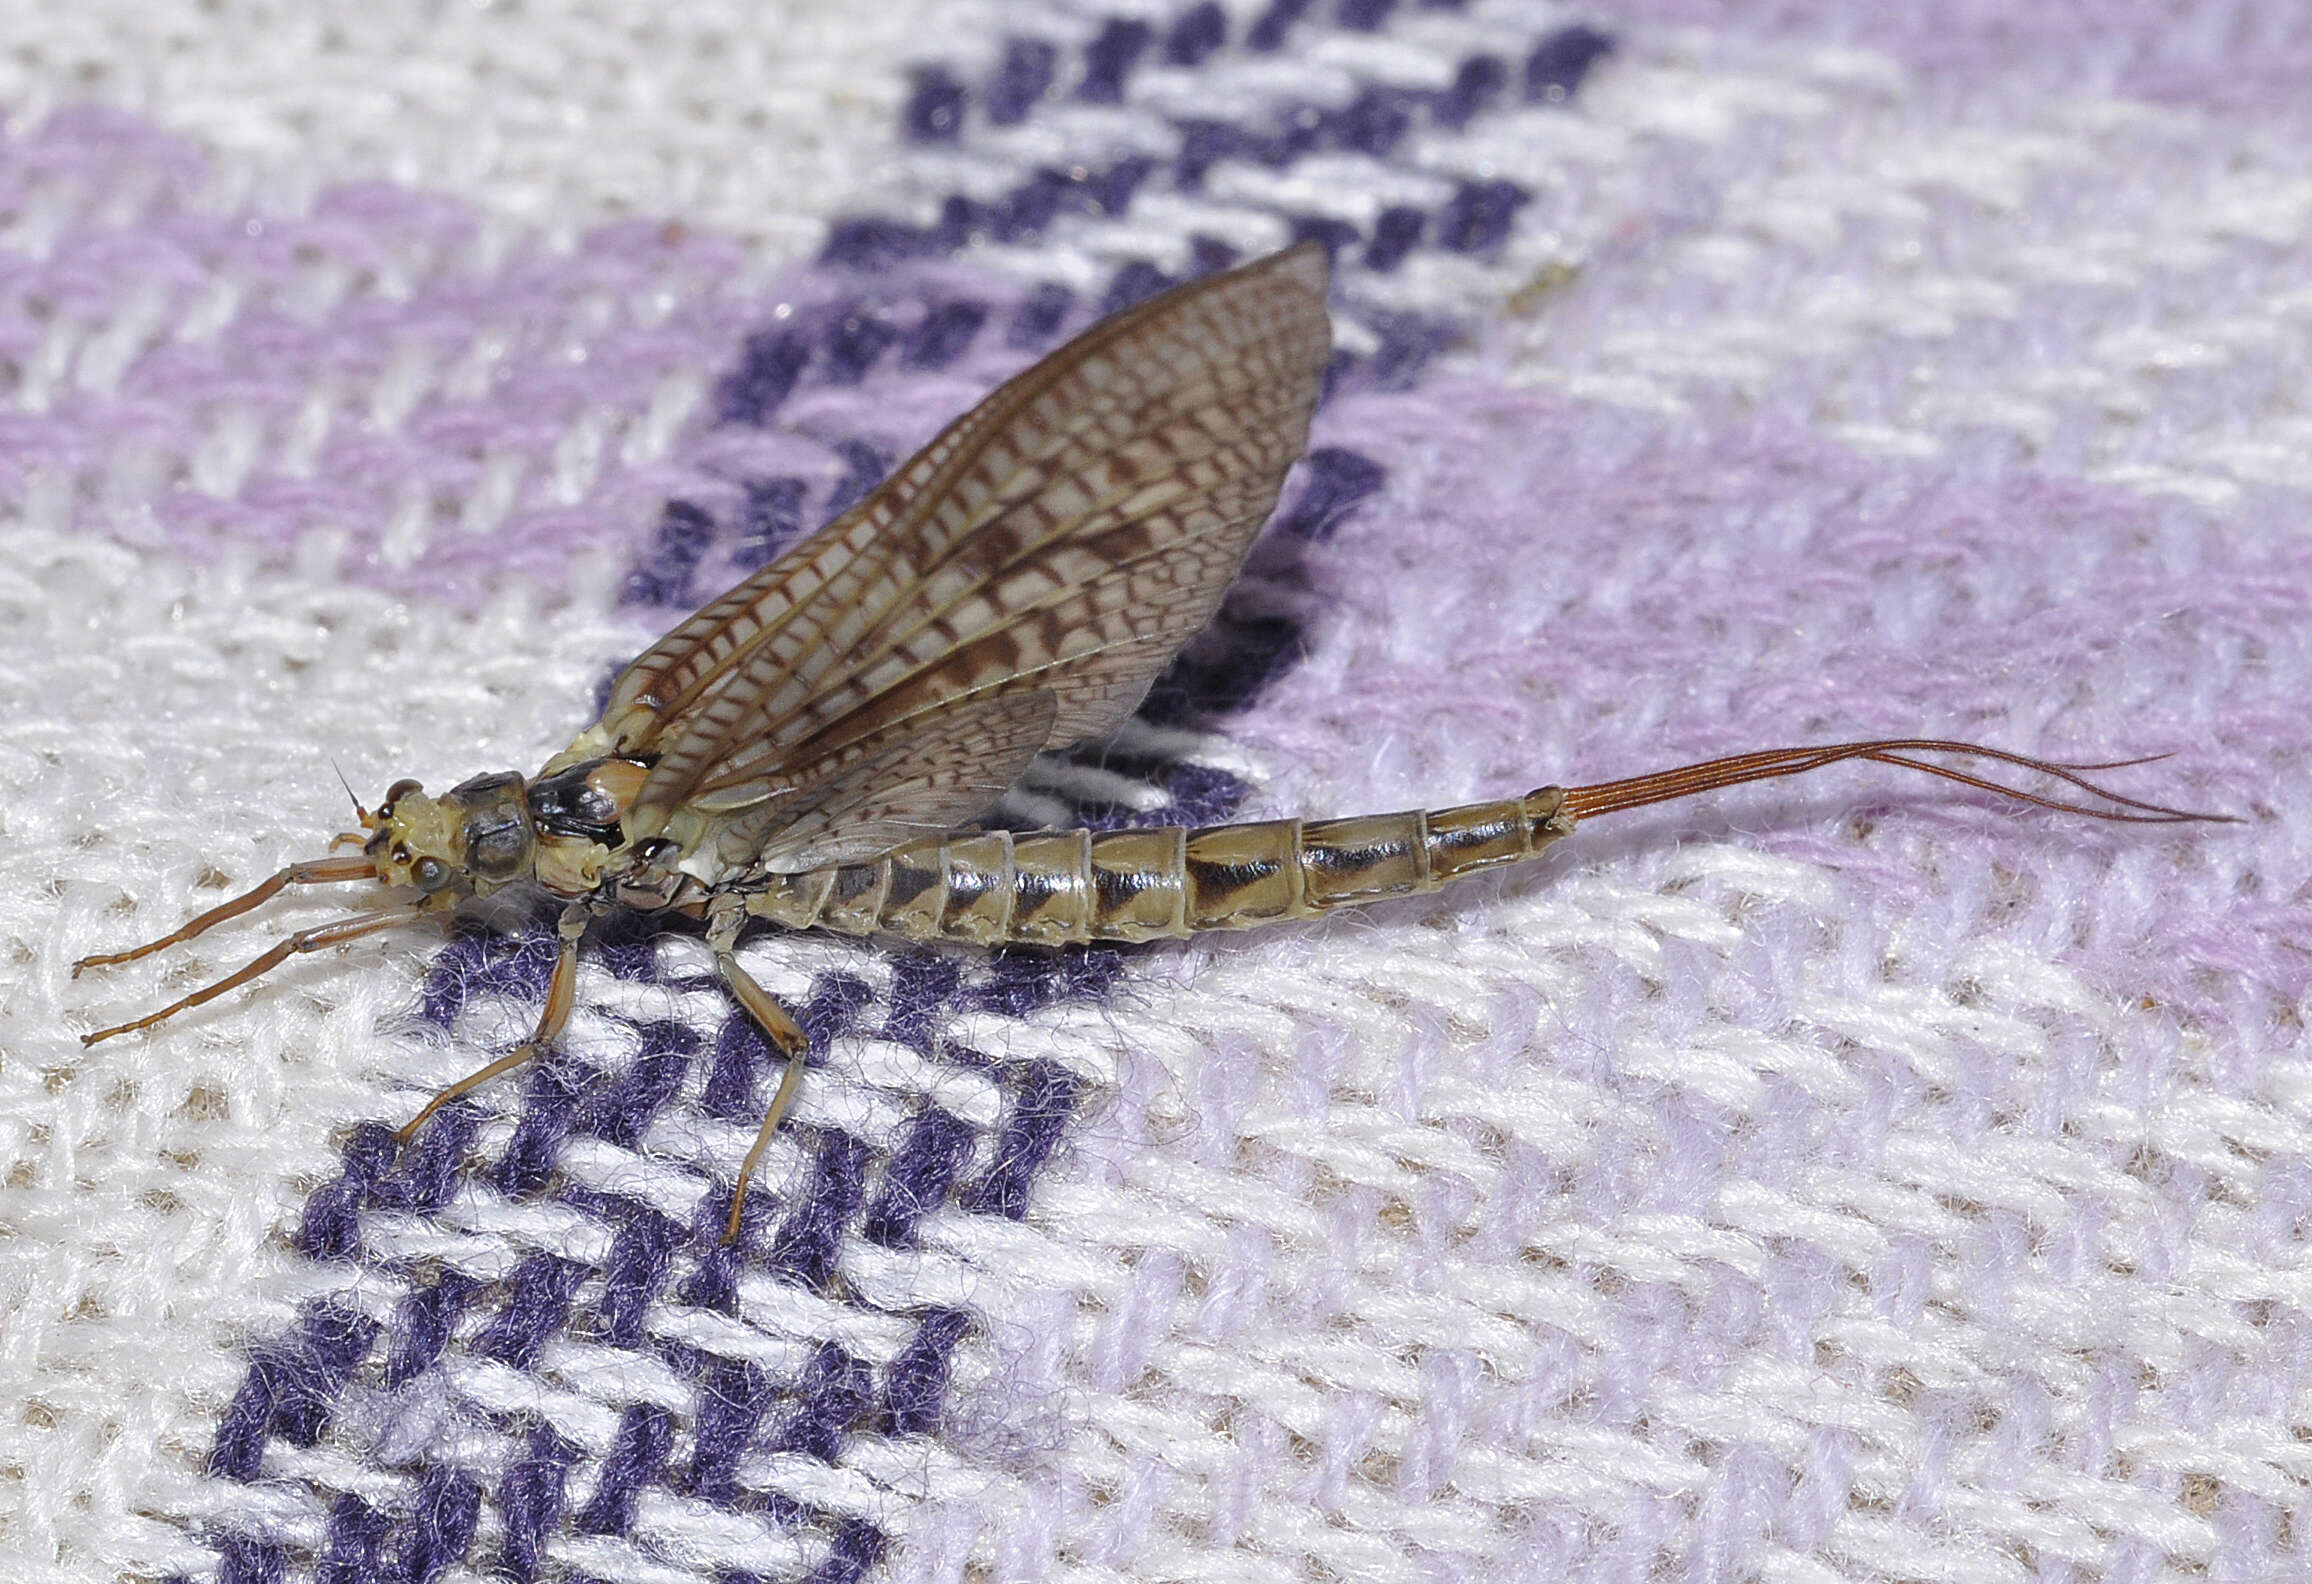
pixel 300 1384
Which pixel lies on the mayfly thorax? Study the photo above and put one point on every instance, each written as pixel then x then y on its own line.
pixel 811 748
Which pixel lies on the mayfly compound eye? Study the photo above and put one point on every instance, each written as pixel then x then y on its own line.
pixel 753 764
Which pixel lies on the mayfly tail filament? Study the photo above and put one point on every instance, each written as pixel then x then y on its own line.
pixel 1611 797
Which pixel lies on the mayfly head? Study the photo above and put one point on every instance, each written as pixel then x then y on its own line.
pixel 472 840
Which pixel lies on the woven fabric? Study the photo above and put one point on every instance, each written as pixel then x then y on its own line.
pixel 1846 1179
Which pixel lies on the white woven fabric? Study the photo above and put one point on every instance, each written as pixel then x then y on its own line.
pixel 1839 1185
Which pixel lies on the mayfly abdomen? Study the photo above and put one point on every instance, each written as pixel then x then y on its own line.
pixel 1063 888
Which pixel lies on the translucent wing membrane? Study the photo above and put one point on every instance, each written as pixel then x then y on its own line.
pixel 1069 534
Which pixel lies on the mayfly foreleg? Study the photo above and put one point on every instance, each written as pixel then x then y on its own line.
pixel 312 940
pixel 778 1026
pixel 561 996
pixel 319 871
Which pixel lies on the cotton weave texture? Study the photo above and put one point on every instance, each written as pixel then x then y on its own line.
pixel 1851 1178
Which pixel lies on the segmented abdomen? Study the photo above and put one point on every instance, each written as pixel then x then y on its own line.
pixel 1064 888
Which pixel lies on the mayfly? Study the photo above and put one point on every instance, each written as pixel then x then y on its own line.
pixel 811 748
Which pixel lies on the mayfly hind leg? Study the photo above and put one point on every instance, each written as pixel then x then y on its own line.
pixel 778 1026
pixel 561 995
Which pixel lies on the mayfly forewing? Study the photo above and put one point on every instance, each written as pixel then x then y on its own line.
pixel 1146 452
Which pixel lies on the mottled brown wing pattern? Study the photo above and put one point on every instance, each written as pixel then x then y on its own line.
pixel 919 779
pixel 1066 536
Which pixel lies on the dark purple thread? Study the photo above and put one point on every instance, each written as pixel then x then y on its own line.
pixel 537 1304
pixel 1409 342
pixel 934 112
pixel 1365 16
pixel 640 1261
pixel 483 961
pixel 620 1110
pixel 448 1510
pixel 923 981
pixel 1226 670
pixel 715 1284
pixel 1041 1106
pixel 1110 57
pixel 734 1396
pixel 1268 30
pixel 1108 190
pixel 422 1324
pixel 944 335
pixel 1478 216
pixel 1374 121
pixel 873 245
pixel 830 1399
pixel 854 344
pixel 805 1246
pixel 331 1228
pixel 864 466
pixel 1558 64
pixel 1476 84
pixel 833 1006
pixel 915 1383
pixel 1198 795
pixel 248 1560
pixel 1304 131
pixel 857 1548
pixel 550 1095
pixel 1204 144
pixel 664 575
pixel 770 519
pixel 290 1388
pixel 740 1052
pixel 1333 235
pixel 248 1418
pixel 1024 77
pixel 1019 982
pixel 773 360
pixel 336 1340
pixel 637 1453
pixel 1135 282
pixel 1336 481
pixel 1025 210
pixel 1196 33
pixel 357 1534
pixel 1396 232
pixel 1038 321
pixel 530 1503
pixel 917 1180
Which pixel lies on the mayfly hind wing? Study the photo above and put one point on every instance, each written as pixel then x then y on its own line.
pixel 1150 448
